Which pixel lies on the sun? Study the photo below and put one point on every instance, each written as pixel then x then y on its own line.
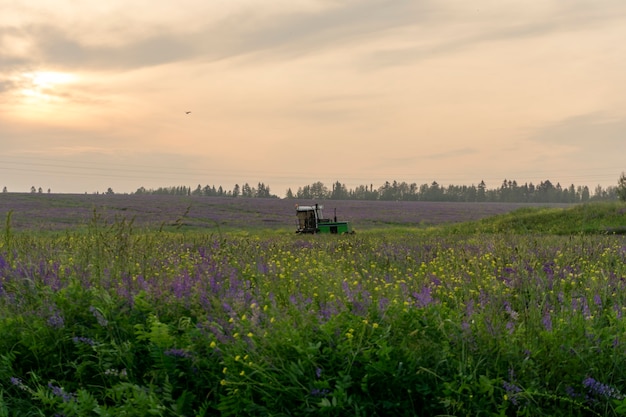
pixel 49 78
pixel 44 95
pixel 46 86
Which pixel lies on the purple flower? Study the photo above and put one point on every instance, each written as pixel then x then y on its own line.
pixel 571 392
pixel 316 392
pixel 512 313
pixel 547 320
pixel 601 390
pixel 469 308
pixel 99 316
pixel 597 300
pixel 512 391
pixel 383 302
pixel 84 340
pixel 56 321
pixel 423 298
pixel 510 326
pixel 17 382
pixel 60 392
pixel 586 310
pixel 436 281
pixel 177 353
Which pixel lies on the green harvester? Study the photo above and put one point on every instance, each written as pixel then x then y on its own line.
pixel 310 219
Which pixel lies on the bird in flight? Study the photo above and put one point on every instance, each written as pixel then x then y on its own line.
pixel 187 112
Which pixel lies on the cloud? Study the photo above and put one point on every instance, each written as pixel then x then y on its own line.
pixel 291 32
pixel 454 153
pixel 466 30
pixel 6 85
pixel 593 142
pixel 287 32
pixel 586 132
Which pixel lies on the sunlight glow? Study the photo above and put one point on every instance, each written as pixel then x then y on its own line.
pixel 48 79
pixel 45 86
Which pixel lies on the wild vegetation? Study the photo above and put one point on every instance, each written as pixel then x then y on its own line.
pixel 514 314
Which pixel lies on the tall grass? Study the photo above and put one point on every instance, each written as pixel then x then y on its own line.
pixel 117 321
pixel 590 218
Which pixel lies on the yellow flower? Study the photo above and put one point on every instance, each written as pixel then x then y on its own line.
pixel 213 345
pixel 375 325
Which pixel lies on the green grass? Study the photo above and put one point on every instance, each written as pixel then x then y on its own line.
pixel 591 218
pixel 511 315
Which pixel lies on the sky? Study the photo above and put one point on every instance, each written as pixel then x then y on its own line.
pixel 94 94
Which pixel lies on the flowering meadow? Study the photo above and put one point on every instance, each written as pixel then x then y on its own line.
pixel 117 320
pixel 57 212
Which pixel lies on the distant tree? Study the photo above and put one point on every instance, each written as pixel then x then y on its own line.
pixel 247 191
pixel 471 193
pixel 4 190
pixel 572 194
pixel 304 192
pixel 319 191
pixel 435 192
pixel 110 191
pixel 236 191
pixel 33 190
pixel 263 191
pixel 40 190
pixel 481 191
pixel 621 187
pixel 289 193
pixel 599 193
pixel 48 191
pixel 584 197
pixel 386 191
pixel 339 191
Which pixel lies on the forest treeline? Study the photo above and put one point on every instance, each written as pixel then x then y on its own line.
pixel 508 191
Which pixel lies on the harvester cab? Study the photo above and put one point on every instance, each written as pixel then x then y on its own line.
pixel 310 219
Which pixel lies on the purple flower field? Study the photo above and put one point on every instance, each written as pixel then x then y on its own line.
pixel 108 318
pixel 60 211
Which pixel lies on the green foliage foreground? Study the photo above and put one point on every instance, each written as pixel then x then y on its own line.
pixel 119 322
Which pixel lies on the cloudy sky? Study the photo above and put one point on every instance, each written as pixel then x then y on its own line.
pixel 94 94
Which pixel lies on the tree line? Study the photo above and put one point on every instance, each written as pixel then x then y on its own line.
pixel 246 190
pixel 509 191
